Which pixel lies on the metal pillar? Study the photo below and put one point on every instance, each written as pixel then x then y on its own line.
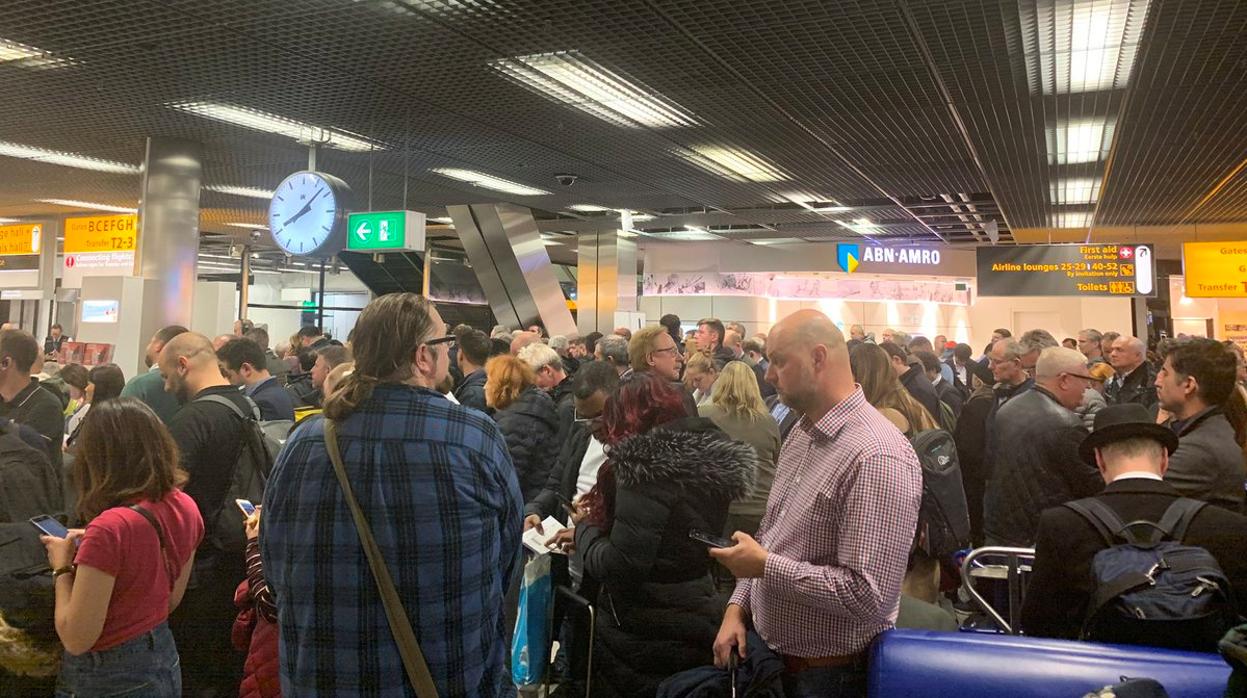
pixel 511 263
pixel 605 280
pixel 169 226
pixel 244 288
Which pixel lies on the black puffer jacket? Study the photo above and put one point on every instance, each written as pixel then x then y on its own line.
pixel 471 391
pixel 1035 440
pixel 565 406
pixel 659 612
pixel 531 426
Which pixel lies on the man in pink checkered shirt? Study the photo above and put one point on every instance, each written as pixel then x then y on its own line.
pixel 824 576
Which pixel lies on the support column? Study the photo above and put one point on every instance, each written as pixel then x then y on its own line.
pixel 606 280
pixel 169 229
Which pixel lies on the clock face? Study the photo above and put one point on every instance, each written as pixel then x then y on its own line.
pixel 306 213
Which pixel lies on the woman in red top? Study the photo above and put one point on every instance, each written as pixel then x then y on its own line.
pixel 117 580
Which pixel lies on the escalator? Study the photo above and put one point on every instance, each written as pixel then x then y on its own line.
pixel 398 272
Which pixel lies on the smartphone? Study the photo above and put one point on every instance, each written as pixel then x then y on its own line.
pixel 567 503
pixel 49 525
pixel 247 507
pixel 710 539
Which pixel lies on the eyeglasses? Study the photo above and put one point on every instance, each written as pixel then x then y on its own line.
pixel 1093 379
pixel 659 351
pixel 448 339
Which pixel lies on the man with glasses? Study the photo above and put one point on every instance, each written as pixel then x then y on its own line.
pixel 1135 380
pixel 436 484
pixel 652 350
pixel 1035 446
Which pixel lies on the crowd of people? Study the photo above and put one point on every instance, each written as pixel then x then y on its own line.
pixel 723 498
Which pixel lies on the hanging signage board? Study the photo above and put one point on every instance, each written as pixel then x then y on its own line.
pixel 99 246
pixel 1067 270
pixel 1215 269
pixel 20 251
pixel 385 231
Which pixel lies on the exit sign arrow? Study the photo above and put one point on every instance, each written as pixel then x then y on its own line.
pixel 363 232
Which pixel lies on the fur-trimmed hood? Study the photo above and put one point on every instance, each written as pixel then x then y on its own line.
pixel 689 455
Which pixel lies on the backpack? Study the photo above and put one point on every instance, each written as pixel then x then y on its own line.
pixel 944 518
pixel 947 418
pixel 1155 590
pixel 255 463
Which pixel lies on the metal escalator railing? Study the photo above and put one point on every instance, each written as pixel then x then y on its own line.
pixel 1017 563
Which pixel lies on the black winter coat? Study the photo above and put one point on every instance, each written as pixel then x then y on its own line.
pixel 916 382
pixel 471 391
pixel 565 406
pixel 971 439
pixel 563 476
pixel 1037 466
pixel 659 612
pixel 1139 387
pixel 531 427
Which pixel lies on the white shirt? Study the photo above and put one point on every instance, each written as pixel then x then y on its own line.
pixel 593 459
pixel 1138 475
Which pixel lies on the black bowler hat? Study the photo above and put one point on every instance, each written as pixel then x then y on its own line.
pixel 1118 422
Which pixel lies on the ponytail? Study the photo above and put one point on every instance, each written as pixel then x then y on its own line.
pixel 349 395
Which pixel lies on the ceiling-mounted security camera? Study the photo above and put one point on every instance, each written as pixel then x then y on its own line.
pixel 567 179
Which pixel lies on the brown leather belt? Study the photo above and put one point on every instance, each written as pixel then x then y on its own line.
pixel 796 665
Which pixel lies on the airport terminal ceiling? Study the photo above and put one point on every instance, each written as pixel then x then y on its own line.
pixel 752 120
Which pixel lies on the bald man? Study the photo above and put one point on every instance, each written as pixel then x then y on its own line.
pixel 209 432
pixel 1035 441
pixel 220 341
pixel 1135 380
pixel 823 615
pixel 522 340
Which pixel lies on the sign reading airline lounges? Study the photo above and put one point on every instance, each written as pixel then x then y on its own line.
pixel 20 247
pixel 1215 269
pixel 1066 270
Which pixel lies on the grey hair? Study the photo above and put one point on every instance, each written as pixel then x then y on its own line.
pixel 1013 349
pixel 1091 335
pixel 614 348
pixel 538 356
pixel 1054 361
pixel 1038 340
pixel 559 342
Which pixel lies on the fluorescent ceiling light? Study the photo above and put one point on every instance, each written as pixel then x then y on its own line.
pixel 733 164
pixel 642 217
pixel 28 56
pixel 248 226
pixel 570 78
pixel 6 221
pixel 692 234
pixel 1081 45
pixel 280 125
pixel 1075 190
pixel 250 192
pixel 485 181
pixel 1071 219
pixel 73 203
pixel 1074 142
pixel 830 209
pixel 56 157
pixel 444 220
pixel 775 241
pixel 587 208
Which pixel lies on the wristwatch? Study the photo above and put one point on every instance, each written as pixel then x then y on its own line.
pixel 67 569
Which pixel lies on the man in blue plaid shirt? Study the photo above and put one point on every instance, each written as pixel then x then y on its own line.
pixel 437 486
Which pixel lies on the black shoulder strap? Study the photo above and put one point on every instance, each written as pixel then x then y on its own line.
pixel 1178 517
pixel 222 400
pixel 160 535
pixel 1104 520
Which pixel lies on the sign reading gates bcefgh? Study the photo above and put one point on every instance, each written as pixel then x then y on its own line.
pixel 1066 270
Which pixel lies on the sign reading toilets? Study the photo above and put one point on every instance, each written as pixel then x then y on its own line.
pixel 99 246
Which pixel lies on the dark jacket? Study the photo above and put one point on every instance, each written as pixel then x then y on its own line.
pixel 31 486
pixel 950 395
pixel 565 406
pixel 1001 393
pixel 39 408
pixel 660 610
pixel 1208 464
pixel 1138 387
pixel 916 382
pixel 1061 584
pixel 759 675
pixel 531 427
pixel 301 391
pixel 765 388
pixel 471 391
pixel 563 476
pixel 1037 466
pixel 274 401
pixel 971 439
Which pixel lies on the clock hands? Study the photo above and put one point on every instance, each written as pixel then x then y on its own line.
pixel 303 211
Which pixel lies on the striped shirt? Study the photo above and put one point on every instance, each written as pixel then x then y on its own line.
pixel 838 528
pixel 441 496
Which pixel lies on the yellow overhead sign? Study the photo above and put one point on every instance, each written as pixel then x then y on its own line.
pixel 20 239
pixel 101 234
pixel 1215 269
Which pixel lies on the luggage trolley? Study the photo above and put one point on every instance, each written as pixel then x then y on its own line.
pixel 579 601
pixel 1010 565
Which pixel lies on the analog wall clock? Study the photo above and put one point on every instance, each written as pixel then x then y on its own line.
pixel 307 216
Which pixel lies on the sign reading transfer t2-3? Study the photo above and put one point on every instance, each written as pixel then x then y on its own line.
pixel 385 231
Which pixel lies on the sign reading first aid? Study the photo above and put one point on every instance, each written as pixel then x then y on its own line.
pixel 1215 269
pixel 99 246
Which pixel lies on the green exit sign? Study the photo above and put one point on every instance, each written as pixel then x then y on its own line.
pixel 385 231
